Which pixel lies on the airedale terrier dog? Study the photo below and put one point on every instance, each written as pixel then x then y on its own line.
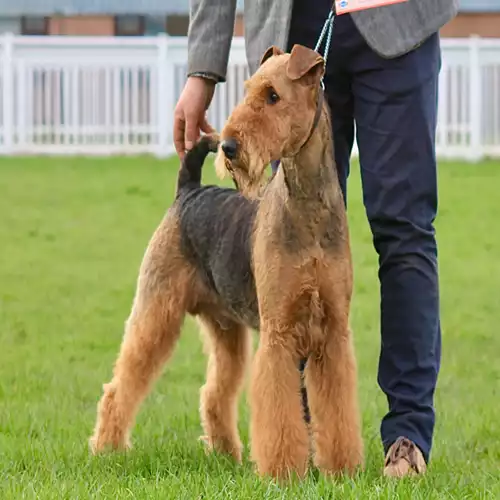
pixel 197 262
pixel 278 263
pixel 302 266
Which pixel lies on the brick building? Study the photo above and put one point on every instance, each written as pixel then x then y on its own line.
pixel 98 17
pixel 476 17
pixel 150 17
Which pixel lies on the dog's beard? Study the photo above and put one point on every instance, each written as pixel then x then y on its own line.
pixel 248 177
pixel 221 169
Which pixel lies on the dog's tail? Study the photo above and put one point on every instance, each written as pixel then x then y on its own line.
pixel 190 172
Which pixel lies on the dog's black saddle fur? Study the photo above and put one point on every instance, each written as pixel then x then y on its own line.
pixel 216 226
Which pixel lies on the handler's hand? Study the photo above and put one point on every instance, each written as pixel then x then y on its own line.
pixel 189 115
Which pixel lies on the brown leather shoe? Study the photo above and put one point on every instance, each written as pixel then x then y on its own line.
pixel 404 458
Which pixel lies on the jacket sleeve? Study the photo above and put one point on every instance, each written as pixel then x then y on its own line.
pixel 211 26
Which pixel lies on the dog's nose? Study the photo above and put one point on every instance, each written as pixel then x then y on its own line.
pixel 230 148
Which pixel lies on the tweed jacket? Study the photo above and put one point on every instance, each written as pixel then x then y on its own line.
pixel 391 31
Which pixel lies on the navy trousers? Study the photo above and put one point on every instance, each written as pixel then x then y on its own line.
pixel 393 103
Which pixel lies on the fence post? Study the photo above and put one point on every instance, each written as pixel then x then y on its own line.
pixel 165 97
pixel 22 108
pixel 8 93
pixel 475 100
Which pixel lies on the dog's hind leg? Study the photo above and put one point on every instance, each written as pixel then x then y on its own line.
pixel 331 381
pixel 151 332
pixel 229 349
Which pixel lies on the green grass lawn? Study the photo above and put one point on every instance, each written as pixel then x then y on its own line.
pixel 72 234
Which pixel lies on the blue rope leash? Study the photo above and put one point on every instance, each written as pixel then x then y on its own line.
pixel 326 30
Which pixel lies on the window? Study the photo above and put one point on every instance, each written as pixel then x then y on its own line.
pixel 129 25
pixel 34 25
pixel 177 25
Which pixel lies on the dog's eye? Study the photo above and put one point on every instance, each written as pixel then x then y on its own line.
pixel 272 96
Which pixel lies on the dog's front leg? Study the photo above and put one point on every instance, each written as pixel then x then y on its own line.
pixel 331 381
pixel 279 436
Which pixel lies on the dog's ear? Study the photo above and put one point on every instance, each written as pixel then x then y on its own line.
pixel 305 62
pixel 271 51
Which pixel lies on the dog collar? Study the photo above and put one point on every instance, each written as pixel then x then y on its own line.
pixel 317 116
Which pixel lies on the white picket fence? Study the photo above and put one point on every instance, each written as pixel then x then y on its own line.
pixel 107 95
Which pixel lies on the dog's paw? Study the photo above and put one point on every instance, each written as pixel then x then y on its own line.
pixel 98 445
pixel 220 445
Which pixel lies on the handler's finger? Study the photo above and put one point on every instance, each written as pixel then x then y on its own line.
pixel 179 128
pixel 191 132
pixel 205 126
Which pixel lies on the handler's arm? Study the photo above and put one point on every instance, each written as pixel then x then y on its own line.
pixel 209 42
pixel 210 33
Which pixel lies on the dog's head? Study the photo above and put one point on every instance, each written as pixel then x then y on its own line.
pixel 275 118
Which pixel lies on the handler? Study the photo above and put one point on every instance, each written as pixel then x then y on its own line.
pixel 382 74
